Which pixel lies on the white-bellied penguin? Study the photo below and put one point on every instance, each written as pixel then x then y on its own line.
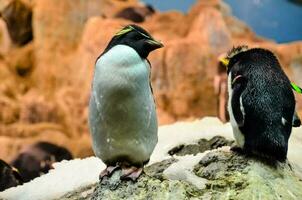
pixel 122 113
pixel 261 102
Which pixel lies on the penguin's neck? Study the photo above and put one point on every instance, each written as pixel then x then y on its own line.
pixel 121 56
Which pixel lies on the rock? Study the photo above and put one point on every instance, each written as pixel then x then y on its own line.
pixel 136 14
pixel 21 61
pixel 175 79
pixel 296 66
pixel 164 27
pixel 226 174
pixel 81 194
pixel 36 109
pixel 202 146
pixel 239 177
pixel 18 18
pixel 5 41
pixel 145 188
pixel 209 27
pixel 196 175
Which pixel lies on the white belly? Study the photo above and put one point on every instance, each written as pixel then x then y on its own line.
pixel 239 137
pixel 122 114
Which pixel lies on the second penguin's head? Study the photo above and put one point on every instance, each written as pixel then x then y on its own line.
pixel 229 60
pixel 137 38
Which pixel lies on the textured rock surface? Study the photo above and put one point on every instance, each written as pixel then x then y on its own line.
pixel 18 18
pixel 192 172
pixel 226 174
pixel 201 146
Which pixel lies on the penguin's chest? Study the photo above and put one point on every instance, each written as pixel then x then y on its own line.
pixel 123 95
pixel 122 110
pixel 127 101
pixel 239 137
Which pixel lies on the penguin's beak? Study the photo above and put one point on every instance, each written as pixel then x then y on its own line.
pixel 154 43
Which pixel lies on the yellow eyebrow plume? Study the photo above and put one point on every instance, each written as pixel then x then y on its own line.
pixel 124 31
pixel 224 61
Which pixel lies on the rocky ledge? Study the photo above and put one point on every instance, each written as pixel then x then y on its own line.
pixel 219 174
pixel 196 164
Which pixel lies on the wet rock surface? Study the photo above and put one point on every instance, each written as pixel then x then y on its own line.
pixel 202 146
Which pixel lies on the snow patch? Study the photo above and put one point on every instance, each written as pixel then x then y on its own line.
pixel 183 170
pixel 170 136
pixel 66 176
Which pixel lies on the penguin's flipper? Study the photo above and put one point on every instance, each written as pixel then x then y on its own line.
pixel 238 84
pixel 296 120
pixel 150 81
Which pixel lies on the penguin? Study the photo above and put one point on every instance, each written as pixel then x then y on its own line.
pixel 122 112
pixel 261 102
pixel 37 159
pixel 9 176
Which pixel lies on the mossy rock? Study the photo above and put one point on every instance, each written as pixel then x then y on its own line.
pixel 235 176
pixel 228 175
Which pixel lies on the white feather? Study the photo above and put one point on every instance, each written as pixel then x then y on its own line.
pixel 122 114
pixel 239 137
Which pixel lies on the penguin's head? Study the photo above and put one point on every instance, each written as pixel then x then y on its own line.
pixel 136 37
pixel 232 57
pixel 230 60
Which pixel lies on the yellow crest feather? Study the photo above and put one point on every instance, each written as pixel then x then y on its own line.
pixel 225 61
pixel 124 30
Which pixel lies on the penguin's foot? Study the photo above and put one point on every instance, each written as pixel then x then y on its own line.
pixel 108 171
pixel 131 173
pixel 237 149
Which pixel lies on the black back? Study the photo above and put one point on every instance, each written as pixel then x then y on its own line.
pixel 267 98
pixel 8 176
pixel 38 159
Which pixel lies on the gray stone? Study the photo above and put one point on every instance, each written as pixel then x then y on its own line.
pixel 229 175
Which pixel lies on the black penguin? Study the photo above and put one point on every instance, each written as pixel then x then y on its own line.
pixel 38 158
pixel 261 102
pixel 9 177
